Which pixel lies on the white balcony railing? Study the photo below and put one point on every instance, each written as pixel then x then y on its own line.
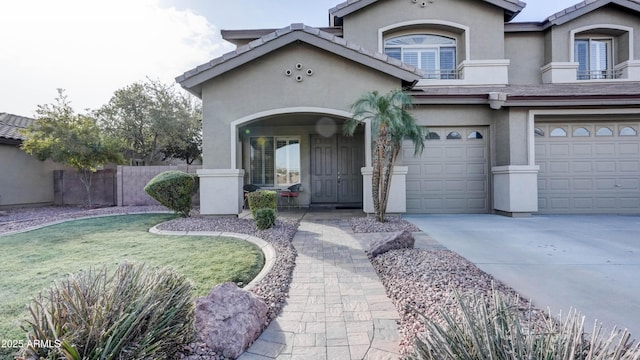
pixel 599 74
pixel 443 75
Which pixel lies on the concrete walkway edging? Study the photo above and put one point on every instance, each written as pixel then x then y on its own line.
pixel 266 248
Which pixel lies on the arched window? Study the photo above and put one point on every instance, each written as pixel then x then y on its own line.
pixel 434 54
pixel 604 131
pixel 433 136
pixel 454 135
pixel 581 132
pixel 558 132
pixel 628 131
pixel 539 132
pixel 475 135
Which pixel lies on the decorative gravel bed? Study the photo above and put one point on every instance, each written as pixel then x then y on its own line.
pixel 424 281
pixel 370 225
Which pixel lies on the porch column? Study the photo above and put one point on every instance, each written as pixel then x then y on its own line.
pixel 397 203
pixel 221 191
pixel 515 189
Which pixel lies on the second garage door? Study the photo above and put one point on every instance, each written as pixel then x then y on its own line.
pixel 588 167
pixel 452 175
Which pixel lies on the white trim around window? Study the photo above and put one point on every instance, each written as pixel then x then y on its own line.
pixel 572 37
pixel 422 26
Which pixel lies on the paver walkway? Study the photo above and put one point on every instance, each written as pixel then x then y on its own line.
pixel 337 307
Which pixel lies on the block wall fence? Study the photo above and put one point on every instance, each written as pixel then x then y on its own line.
pixel 121 186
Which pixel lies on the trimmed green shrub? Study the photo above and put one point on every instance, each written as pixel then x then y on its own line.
pixel 174 189
pixel 262 199
pixel 265 218
pixel 137 313
pixel 493 327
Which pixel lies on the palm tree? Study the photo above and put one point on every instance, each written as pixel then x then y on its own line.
pixel 391 124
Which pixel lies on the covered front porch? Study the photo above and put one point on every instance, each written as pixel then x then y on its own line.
pixel 277 150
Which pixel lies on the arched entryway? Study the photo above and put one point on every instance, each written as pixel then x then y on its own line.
pixel 281 148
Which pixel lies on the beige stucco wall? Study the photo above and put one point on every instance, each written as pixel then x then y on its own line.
pixel 486 23
pixel 24 179
pixel 527 59
pixel 442 115
pixel 560 35
pixel 261 85
pixel 518 132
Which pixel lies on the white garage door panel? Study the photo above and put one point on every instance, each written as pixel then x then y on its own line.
pixel 588 174
pixel 451 176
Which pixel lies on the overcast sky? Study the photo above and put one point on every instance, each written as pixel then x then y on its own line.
pixel 92 48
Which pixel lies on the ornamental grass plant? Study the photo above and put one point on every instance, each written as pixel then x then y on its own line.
pixel 495 327
pixel 135 313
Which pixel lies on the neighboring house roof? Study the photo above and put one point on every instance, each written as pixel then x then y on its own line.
pixel 536 95
pixel 511 7
pixel 587 6
pixel 10 126
pixel 193 79
pixel 243 36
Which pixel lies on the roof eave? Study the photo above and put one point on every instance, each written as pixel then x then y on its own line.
pixel 192 80
pixel 583 8
pixel 512 9
pixel 630 100
pixel 241 36
pixel 560 101
pixel 10 141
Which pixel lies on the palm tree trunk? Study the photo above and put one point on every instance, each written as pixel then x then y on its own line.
pixel 379 172
pixel 390 160
pixel 375 180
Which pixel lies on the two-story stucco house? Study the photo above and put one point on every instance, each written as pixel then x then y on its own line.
pixel 521 117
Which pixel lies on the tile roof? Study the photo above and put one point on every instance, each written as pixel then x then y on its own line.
pixel 512 6
pixel 11 124
pixel 297 32
pixel 622 93
pixel 586 6
pixel 541 90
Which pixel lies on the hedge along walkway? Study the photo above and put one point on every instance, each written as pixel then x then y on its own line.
pixel 337 307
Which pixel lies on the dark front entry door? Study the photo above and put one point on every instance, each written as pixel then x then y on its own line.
pixel 336 162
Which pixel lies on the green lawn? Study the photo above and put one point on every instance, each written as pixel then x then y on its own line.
pixel 32 261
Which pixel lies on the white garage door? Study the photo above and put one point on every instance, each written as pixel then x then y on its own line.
pixel 588 167
pixel 451 176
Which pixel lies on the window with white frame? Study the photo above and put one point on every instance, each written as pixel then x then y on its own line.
pixel 275 161
pixel 434 54
pixel 594 57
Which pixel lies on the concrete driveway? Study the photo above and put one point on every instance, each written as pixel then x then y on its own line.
pixel 590 263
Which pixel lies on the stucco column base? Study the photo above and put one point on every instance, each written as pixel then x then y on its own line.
pixel 221 191
pixel 515 190
pixel 397 203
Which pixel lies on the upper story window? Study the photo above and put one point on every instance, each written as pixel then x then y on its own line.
pixel 433 54
pixel 594 57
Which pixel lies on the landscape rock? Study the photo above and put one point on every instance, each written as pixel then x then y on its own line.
pixel 230 319
pixel 395 241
